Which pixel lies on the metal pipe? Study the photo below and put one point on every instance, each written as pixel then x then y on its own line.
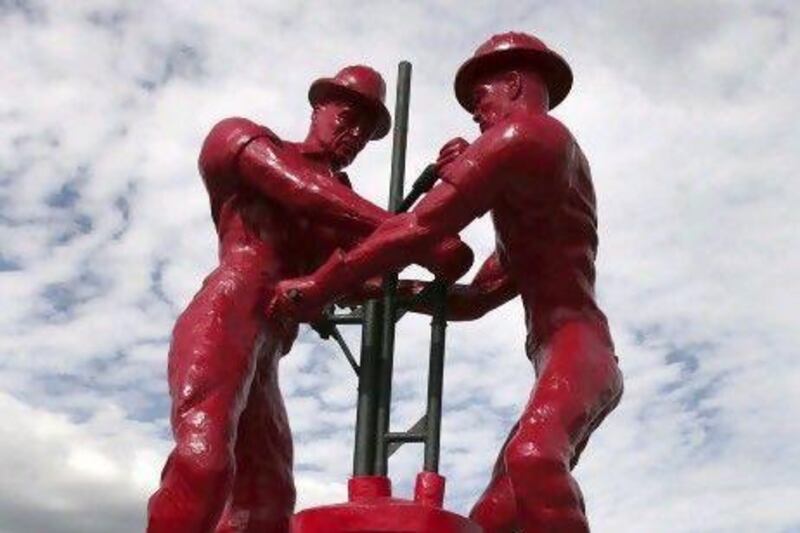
pixel 352 318
pixel 405 437
pixel 366 414
pixel 400 135
pixel 390 281
pixel 337 336
pixel 435 379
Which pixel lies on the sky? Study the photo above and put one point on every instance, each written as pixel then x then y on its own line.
pixel 688 114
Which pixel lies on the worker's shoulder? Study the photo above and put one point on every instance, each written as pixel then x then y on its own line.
pixel 536 132
pixel 532 144
pixel 226 140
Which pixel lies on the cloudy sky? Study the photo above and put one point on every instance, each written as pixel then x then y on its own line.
pixel 688 113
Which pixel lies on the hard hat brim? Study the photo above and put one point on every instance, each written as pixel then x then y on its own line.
pixel 554 71
pixel 328 88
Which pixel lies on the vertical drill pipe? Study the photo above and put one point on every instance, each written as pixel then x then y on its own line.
pixel 400 137
pixel 366 414
pixel 435 379
pixel 390 280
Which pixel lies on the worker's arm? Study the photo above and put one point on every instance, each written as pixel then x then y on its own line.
pixel 468 188
pixel 238 149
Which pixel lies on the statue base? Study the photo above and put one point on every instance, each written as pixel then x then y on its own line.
pixel 371 508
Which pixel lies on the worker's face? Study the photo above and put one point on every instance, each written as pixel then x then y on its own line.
pixel 344 127
pixel 492 97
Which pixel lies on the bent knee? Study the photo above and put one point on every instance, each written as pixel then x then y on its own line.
pixel 541 438
pixel 205 466
pixel 528 458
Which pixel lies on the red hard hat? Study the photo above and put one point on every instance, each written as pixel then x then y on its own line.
pixel 508 50
pixel 358 82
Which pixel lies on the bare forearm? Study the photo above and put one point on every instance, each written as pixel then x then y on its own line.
pixel 299 189
pixel 327 202
pixel 395 244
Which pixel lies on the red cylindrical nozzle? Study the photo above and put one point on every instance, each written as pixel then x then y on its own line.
pixel 365 487
pixel 429 489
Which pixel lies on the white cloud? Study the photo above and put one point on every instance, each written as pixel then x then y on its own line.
pixel 67 476
pixel 686 111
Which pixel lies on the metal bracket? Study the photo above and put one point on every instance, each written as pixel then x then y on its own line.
pixel 415 433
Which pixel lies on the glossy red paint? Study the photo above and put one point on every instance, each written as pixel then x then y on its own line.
pixel 528 171
pixel 358 83
pixel 512 50
pixel 371 509
pixel 231 468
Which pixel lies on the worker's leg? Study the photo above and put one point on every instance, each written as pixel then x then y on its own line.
pixel 496 510
pixel 263 495
pixel 211 366
pixel 579 384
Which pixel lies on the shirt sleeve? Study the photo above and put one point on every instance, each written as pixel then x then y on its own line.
pixel 217 161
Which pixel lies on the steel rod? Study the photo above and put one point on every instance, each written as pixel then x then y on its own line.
pixel 390 281
pixel 354 318
pixel 337 335
pixel 405 437
pixel 417 429
pixel 436 379
pixel 366 413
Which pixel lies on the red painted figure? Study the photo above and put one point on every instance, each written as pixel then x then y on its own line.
pixel 529 172
pixel 280 208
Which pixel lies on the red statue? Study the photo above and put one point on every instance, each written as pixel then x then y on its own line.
pixel 529 172
pixel 231 468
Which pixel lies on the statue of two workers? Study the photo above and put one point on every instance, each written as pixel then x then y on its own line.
pixel 294 237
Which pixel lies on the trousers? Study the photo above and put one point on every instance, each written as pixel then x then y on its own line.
pixel 231 467
pixel 578 384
